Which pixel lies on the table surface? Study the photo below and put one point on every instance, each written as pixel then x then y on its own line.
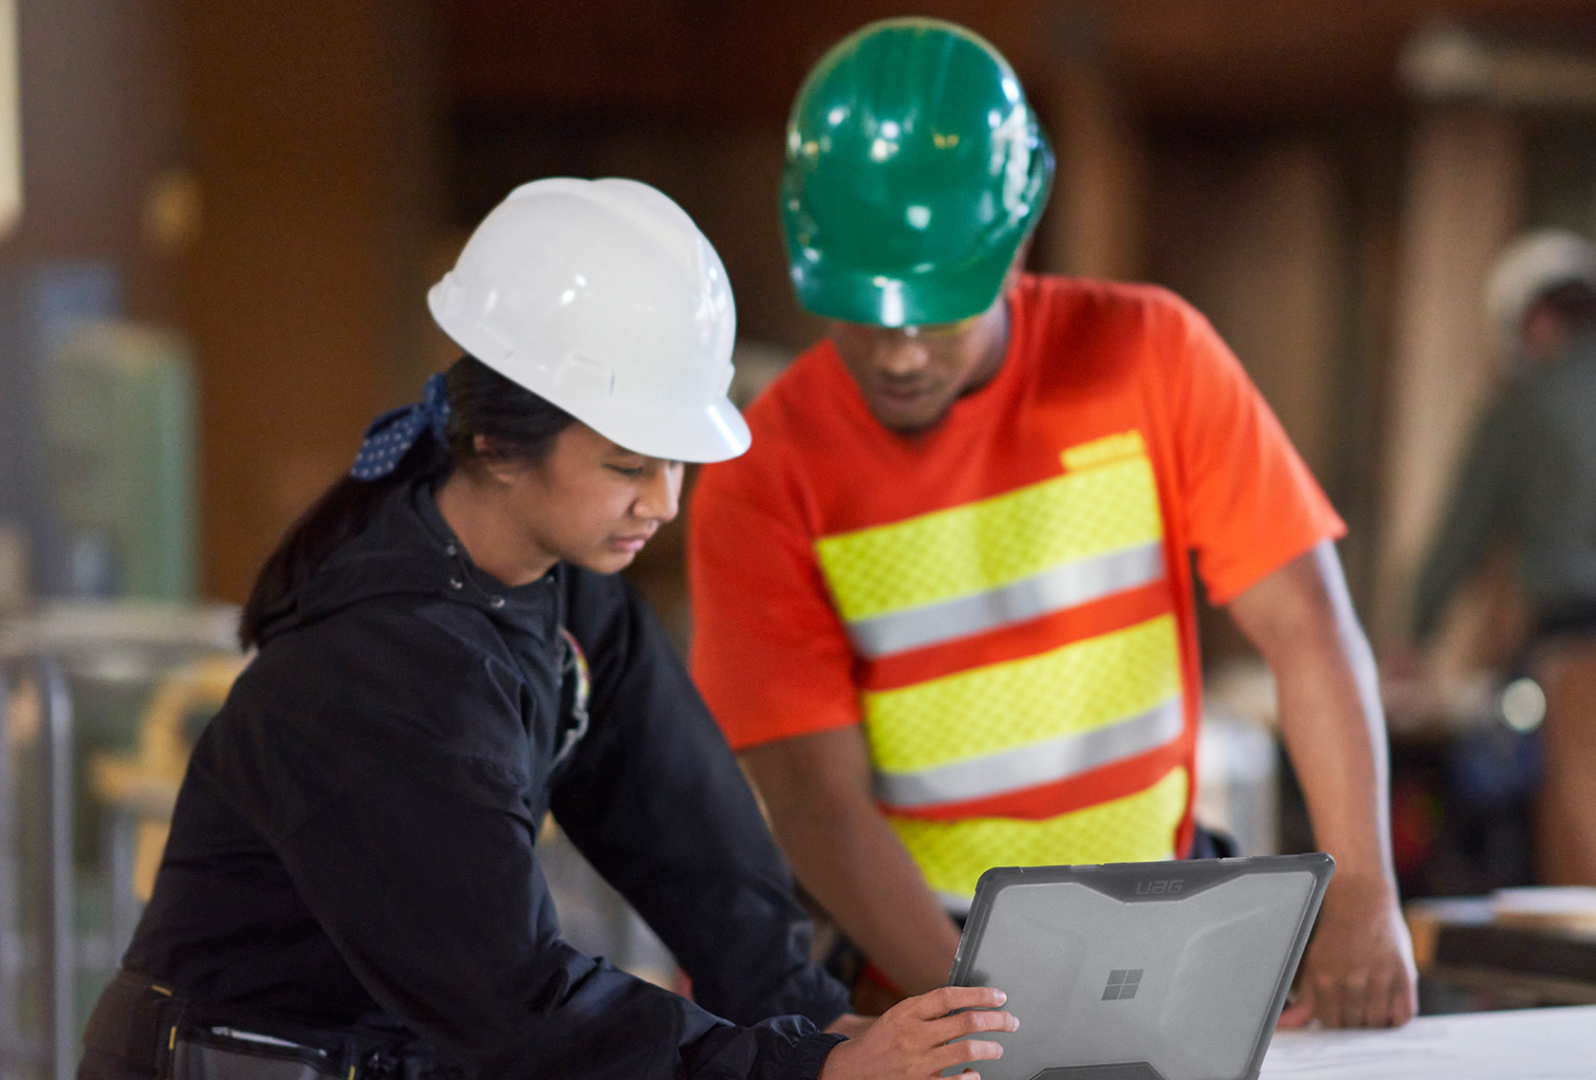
pixel 1544 1044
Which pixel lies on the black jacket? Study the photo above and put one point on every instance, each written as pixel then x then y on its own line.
pixel 355 841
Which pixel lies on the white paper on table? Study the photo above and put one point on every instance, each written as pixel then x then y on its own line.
pixel 1543 1044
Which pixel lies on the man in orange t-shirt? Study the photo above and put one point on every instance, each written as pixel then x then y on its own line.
pixel 944 605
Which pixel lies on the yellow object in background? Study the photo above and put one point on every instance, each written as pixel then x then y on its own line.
pixel 145 783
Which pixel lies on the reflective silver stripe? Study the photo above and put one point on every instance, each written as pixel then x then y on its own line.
pixel 1028 766
pixel 1051 590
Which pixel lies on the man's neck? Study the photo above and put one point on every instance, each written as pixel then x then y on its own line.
pixel 996 350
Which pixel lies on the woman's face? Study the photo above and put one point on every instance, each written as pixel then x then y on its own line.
pixel 590 502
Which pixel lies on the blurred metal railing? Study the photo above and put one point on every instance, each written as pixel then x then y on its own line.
pixel 57 978
pixel 61 937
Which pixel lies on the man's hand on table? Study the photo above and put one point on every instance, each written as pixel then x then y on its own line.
pixel 1358 971
pixel 1359 968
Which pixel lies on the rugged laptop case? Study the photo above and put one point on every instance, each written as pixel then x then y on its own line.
pixel 1140 971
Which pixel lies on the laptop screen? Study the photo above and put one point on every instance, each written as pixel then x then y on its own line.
pixel 1179 968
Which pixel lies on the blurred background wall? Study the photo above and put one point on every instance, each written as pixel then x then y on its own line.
pixel 231 213
pixel 280 185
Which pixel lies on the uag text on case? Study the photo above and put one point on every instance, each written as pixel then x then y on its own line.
pixel 1140 971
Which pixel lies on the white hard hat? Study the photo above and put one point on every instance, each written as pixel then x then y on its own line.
pixel 603 297
pixel 1530 267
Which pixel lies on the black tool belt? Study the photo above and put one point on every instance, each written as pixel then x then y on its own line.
pixel 141 1030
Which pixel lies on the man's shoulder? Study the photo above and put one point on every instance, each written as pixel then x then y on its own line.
pixel 1084 333
pixel 1571 374
pixel 1132 306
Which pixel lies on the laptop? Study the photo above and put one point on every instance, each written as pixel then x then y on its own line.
pixel 1140 971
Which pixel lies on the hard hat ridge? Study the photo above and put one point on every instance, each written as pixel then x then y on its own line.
pixel 605 299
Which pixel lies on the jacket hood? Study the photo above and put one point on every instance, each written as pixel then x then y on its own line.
pixel 406 548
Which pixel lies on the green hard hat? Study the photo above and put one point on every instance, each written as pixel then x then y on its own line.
pixel 915 169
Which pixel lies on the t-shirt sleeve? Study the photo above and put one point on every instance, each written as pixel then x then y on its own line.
pixel 1249 501
pixel 769 654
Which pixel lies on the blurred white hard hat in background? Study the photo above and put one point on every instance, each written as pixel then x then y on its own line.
pixel 1528 268
pixel 603 297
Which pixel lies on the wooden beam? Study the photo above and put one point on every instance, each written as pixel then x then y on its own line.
pixel 721 61
pixel 1464 197
pixel 1096 224
pixel 309 149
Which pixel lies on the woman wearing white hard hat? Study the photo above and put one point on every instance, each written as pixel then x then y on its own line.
pixel 351 888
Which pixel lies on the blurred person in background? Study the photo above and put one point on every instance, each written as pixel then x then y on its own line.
pixel 944 607
pixel 1528 481
pixel 351 888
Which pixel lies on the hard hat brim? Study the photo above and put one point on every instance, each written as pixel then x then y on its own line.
pixel 716 432
pixel 701 434
pixel 877 297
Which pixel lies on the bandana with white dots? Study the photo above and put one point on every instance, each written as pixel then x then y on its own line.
pixel 395 432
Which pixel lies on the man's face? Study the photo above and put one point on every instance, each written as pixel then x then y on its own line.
pixel 1544 333
pixel 910 377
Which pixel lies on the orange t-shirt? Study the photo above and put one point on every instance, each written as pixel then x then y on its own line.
pixel 1095 374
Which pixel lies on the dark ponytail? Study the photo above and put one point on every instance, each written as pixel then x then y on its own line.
pixel 514 423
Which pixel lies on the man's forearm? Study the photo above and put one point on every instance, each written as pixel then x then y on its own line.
pixel 1334 728
pixel 1358 970
pixel 1343 774
pixel 817 789
pixel 1302 621
pixel 855 865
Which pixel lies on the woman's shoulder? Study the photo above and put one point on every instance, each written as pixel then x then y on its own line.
pixel 396 676
pixel 413 631
pixel 318 711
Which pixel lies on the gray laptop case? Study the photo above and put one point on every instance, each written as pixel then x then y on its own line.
pixel 1140 971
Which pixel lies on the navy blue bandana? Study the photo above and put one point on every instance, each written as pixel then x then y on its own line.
pixel 394 432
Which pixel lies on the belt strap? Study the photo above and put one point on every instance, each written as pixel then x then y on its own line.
pixel 134 1022
pixel 138 1023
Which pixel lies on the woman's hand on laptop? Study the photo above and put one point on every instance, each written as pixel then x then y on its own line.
pixel 913 1040
pixel 851 1025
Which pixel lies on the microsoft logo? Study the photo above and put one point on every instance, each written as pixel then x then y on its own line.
pixel 1122 984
